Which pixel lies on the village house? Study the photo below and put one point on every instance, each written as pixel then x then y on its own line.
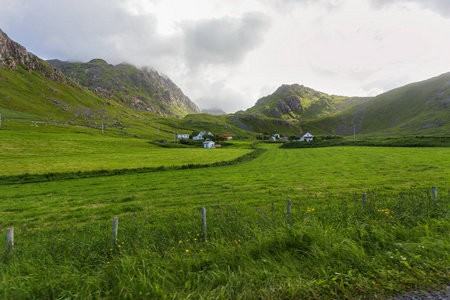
pixel 306 136
pixel 183 136
pixel 200 137
pixel 209 144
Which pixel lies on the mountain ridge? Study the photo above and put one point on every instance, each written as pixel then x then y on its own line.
pixel 297 102
pixel 33 89
pixel 142 89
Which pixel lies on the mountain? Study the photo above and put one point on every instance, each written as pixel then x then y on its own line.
pixel 143 89
pixel 33 89
pixel 297 102
pixel 417 108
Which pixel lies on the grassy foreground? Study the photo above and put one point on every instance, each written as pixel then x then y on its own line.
pixel 332 247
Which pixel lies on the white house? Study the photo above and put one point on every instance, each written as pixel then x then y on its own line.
pixel 183 136
pixel 201 134
pixel 306 136
pixel 209 144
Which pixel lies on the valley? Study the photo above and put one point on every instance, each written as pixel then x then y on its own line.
pixel 83 143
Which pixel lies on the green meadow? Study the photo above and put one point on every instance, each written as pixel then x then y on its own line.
pixel 331 246
pixel 37 152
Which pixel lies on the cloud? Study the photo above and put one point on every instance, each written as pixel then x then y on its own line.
pixel 210 93
pixel 82 30
pixel 441 7
pixel 223 40
pixel 285 6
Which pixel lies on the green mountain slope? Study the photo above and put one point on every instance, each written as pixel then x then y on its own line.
pixel 142 89
pixel 418 108
pixel 33 91
pixel 301 103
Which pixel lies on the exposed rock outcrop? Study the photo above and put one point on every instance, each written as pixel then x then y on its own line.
pixel 13 55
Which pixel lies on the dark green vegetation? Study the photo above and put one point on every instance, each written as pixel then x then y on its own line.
pixel 333 246
pixel 401 141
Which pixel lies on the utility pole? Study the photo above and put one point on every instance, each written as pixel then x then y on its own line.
pixel 102 128
pixel 0 120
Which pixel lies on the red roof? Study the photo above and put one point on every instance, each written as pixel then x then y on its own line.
pixel 226 135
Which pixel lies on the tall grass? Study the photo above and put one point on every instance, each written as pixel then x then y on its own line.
pixel 332 247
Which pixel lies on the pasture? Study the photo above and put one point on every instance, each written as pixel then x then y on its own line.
pixel 81 149
pixel 332 247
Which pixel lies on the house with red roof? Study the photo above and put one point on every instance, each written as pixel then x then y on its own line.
pixel 306 136
pixel 227 136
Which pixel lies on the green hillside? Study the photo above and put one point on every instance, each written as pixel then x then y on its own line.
pixel 141 89
pixel 142 103
pixel 420 108
pixel 301 103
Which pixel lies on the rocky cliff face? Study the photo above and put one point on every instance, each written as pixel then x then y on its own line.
pixel 13 56
pixel 143 89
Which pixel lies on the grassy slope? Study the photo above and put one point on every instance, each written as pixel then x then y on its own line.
pixel 45 99
pixel 418 108
pixel 336 250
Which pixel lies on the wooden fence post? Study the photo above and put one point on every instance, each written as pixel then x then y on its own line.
pixel 364 199
pixel 288 210
pixel 10 237
pixel 115 229
pixel 435 193
pixel 204 223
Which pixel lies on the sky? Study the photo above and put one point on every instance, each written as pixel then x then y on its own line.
pixel 226 54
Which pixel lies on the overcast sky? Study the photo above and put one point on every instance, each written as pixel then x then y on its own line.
pixel 227 54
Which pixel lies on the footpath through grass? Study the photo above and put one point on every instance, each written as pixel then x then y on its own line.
pixel 332 247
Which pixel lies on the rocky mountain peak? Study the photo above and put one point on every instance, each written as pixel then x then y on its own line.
pixel 13 55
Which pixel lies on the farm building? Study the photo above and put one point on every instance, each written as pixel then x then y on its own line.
pixel 201 134
pixel 184 136
pixel 208 144
pixel 306 136
pixel 227 136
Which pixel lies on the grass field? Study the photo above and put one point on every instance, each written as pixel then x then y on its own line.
pixel 333 246
pixel 36 152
